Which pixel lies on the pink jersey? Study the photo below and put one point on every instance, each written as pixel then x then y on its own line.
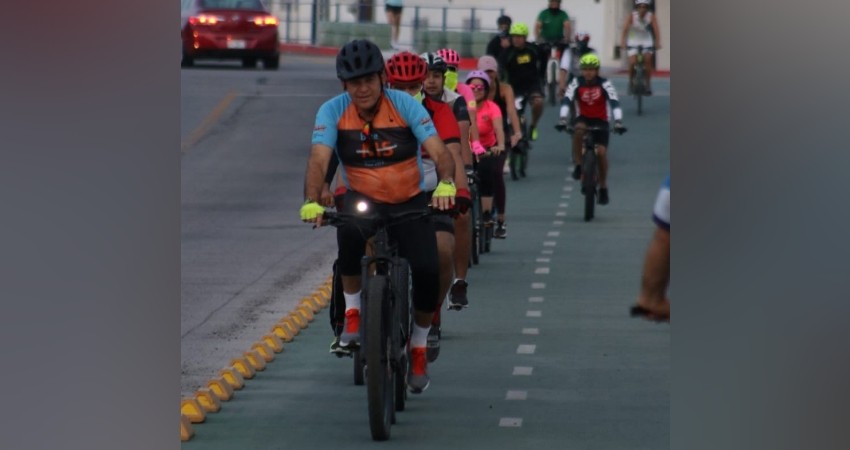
pixel 466 92
pixel 487 112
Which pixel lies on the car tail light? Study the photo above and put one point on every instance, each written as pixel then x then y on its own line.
pixel 205 19
pixel 265 20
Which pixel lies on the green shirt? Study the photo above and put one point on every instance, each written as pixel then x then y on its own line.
pixel 552 28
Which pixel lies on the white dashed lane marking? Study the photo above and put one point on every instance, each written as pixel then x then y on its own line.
pixel 538 285
pixel 516 395
pixel 561 214
pixel 533 314
pixel 526 349
pixel 513 422
pixel 523 370
pixel 543 260
pixel 553 234
pixel 535 299
pixel 549 243
pixel 531 331
pixel 547 252
pixel 563 205
pixel 542 270
pixel 558 223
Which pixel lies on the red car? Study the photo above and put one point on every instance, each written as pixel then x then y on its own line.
pixel 229 29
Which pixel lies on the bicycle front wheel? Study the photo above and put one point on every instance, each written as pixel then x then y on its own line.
pixel 379 372
pixel 588 183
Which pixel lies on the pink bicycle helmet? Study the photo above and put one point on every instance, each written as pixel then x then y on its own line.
pixel 480 74
pixel 450 56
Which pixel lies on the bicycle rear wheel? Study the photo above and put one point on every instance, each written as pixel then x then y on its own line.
pixel 379 380
pixel 588 183
pixel 475 217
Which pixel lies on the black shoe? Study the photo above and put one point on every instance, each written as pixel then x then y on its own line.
pixel 501 231
pixel 603 196
pixel 339 350
pixel 457 296
pixel 577 172
pixel 487 218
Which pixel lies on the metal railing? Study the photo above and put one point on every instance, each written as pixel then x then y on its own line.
pixel 301 21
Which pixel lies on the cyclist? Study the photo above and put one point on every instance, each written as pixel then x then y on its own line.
pixel 641 28
pixel 653 302
pixel 407 72
pixel 493 138
pixel 570 59
pixel 593 95
pixel 502 95
pixel 377 135
pixel 393 9
pixel 521 63
pixel 452 59
pixel 434 87
pixel 500 40
pixel 552 28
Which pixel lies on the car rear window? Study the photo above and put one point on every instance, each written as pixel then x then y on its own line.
pixel 232 4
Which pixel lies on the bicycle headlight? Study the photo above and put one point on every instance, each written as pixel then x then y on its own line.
pixel 362 206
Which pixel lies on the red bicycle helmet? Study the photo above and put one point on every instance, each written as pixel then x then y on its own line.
pixel 450 56
pixel 406 67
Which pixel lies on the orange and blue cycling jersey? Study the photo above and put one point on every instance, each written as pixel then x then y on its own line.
pixel 382 158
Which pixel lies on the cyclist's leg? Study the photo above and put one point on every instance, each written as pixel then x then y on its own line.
pixel 632 53
pixel 500 195
pixel 648 57
pixel 535 97
pixel 445 254
pixel 601 138
pixel 487 166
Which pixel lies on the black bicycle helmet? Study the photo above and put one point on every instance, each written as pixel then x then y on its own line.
pixel 503 20
pixel 435 62
pixel 357 58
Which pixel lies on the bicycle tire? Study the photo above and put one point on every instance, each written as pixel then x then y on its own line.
pixel 359 368
pixel 379 381
pixel 588 183
pixel 475 217
pixel 639 86
pixel 401 284
pixel 552 82
pixel 513 156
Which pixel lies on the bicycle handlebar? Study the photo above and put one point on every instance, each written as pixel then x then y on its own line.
pixel 338 219
pixel 570 129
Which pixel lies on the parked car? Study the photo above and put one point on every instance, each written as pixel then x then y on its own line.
pixel 229 29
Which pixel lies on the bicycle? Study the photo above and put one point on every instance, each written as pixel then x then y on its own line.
pixel 474 219
pixel 553 64
pixel 518 156
pixel 638 84
pixel 589 166
pixel 385 324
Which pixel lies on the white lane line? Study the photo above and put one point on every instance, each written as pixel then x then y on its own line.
pixel 543 260
pixel 558 223
pixel 563 205
pixel 547 252
pixel 568 188
pixel 553 234
pixel 533 313
pixel 549 243
pixel 561 214
pixel 538 285
pixel 531 331
pixel 526 349
pixel 522 370
pixel 516 395
pixel 535 299
pixel 565 196
pixel 512 422
pixel 541 271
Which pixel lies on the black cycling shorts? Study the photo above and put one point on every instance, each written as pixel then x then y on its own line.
pixel 601 137
pixel 393 9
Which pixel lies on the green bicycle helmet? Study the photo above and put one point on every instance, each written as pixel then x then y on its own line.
pixel 589 61
pixel 518 29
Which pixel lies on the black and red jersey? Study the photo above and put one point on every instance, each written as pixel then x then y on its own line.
pixel 592 98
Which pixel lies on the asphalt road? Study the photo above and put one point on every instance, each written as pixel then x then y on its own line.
pixel 546 355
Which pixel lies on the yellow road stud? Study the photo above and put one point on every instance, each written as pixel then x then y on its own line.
pixel 290 325
pixel 208 400
pixel 321 300
pixel 265 351
pixel 190 408
pixel 221 389
pixel 298 319
pixel 305 312
pixel 257 361
pixel 186 431
pixel 273 342
pixel 243 367
pixel 311 303
pixel 232 377
pixel 282 331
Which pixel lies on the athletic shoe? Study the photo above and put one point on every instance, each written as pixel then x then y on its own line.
pixel 433 346
pixel 501 231
pixel 577 172
pixel 351 333
pixel 339 350
pixel 487 218
pixel 533 133
pixel 417 378
pixel 457 296
pixel 603 196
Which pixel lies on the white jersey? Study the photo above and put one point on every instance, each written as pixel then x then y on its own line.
pixel 640 31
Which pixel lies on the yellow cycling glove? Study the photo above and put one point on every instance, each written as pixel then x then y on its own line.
pixel 310 210
pixel 445 189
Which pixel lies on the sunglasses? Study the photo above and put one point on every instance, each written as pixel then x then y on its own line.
pixel 477 87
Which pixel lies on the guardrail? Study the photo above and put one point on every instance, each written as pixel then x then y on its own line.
pixel 423 27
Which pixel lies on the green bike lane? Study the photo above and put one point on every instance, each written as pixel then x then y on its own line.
pixel 545 356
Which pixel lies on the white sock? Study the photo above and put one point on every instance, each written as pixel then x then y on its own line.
pixel 419 337
pixel 457 279
pixel 352 301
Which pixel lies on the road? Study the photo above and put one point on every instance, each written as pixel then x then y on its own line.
pixel 546 355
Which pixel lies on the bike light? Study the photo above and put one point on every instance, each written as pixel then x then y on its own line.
pixel 362 206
